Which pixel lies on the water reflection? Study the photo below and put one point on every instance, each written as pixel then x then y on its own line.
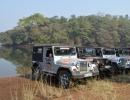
pixel 14 61
pixel 7 68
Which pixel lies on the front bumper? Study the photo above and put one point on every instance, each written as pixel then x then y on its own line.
pixel 85 75
pixel 127 66
pixel 123 66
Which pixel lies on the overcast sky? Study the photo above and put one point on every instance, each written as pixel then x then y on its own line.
pixel 13 10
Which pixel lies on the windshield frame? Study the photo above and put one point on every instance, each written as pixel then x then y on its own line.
pixel 108 52
pixel 124 52
pixel 64 51
pixel 87 52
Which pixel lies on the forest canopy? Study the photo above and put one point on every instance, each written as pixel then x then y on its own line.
pixel 92 30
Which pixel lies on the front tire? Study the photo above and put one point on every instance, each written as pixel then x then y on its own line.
pixel 64 78
pixel 115 69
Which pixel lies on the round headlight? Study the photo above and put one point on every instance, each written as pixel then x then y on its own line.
pixel 120 60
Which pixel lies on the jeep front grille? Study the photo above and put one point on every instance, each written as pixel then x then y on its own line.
pixel 83 66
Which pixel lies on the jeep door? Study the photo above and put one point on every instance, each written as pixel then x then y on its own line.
pixel 48 60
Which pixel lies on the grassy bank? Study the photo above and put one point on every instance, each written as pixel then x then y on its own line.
pixel 115 88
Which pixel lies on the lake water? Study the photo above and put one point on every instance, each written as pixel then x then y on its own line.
pixel 14 61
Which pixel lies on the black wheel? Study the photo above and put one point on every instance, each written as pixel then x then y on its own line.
pixel 115 69
pixel 126 71
pixel 112 71
pixel 64 78
pixel 36 74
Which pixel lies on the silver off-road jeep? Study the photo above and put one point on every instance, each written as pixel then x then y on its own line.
pixel 124 53
pixel 96 55
pixel 108 62
pixel 118 63
pixel 62 62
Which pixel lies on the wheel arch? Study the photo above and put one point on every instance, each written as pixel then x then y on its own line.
pixel 35 64
pixel 63 69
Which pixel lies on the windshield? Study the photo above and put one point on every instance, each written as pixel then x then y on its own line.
pixel 124 52
pixel 87 51
pixel 64 51
pixel 108 52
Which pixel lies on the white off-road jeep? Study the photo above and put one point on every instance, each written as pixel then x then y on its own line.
pixel 62 62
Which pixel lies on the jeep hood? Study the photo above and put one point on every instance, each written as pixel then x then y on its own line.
pixel 66 61
pixel 89 59
pixel 127 57
pixel 118 58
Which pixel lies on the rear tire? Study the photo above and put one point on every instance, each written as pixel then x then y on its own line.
pixel 36 74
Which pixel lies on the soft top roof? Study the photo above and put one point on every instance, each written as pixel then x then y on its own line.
pixel 93 47
pixel 50 45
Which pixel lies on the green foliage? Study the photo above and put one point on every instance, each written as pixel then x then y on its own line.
pixel 94 30
pixel 36 19
pixel 5 38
